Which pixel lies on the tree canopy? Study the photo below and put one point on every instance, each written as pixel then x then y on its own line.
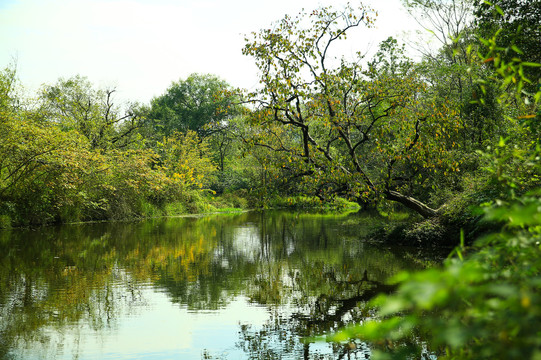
pixel 360 133
pixel 199 103
pixel 75 104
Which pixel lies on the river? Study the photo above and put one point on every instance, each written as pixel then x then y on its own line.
pixel 252 285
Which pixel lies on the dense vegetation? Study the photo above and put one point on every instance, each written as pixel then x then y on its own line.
pixel 451 137
pixel 370 131
pixel 484 302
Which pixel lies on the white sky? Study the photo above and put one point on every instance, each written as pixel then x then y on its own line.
pixel 141 46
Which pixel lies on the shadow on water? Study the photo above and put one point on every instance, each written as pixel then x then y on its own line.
pixel 306 274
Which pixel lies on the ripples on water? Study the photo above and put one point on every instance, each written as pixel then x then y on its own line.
pixel 246 286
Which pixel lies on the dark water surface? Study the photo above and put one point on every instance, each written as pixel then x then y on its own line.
pixel 244 286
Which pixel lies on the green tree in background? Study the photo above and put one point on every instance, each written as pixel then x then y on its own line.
pixel 453 70
pixel 446 21
pixel 74 104
pixel 185 157
pixel 72 156
pixel 35 159
pixel 200 103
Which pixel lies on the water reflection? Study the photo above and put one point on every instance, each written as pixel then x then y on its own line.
pixel 222 287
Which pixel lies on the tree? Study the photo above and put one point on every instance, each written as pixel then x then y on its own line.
pixel 341 130
pixel 446 20
pixel 37 160
pixel 453 70
pixel 205 107
pixel 199 104
pixel 517 24
pixel 74 104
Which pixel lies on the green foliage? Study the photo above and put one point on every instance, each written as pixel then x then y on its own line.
pixel 517 23
pixel 74 104
pixel 205 106
pixel 5 222
pixel 481 306
pixel 37 161
pixel 200 103
pixel 485 301
pixel 73 158
pixel 336 128
pixel 391 58
pixel 314 204
pixel 230 154
pixel 231 200
pixel 185 158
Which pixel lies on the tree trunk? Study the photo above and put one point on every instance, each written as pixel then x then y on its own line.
pixel 411 203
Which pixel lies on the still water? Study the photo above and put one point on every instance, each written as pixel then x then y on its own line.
pixel 243 286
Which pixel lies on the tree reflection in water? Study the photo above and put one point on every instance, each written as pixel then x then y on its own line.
pixel 282 337
pixel 313 273
pixel 322 285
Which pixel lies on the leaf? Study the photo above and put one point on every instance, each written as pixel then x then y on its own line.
pixel 530 64
pixel 517 50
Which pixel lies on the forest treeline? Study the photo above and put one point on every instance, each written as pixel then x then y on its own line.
pixel 377 132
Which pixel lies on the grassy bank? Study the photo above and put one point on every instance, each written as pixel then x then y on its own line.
pixel 192 202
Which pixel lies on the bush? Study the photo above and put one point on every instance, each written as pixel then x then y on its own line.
pixel 230 201
pixel 313 203
pixel 5 222
pixel 484 305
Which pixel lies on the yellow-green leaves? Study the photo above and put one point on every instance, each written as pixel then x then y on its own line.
pixel 342 129
pixel 186 159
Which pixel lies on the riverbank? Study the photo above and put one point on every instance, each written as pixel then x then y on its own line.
pixel 461 215
pixel 460 219
pixel 194 203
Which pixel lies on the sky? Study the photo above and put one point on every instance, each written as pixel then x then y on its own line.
pixel 141 46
